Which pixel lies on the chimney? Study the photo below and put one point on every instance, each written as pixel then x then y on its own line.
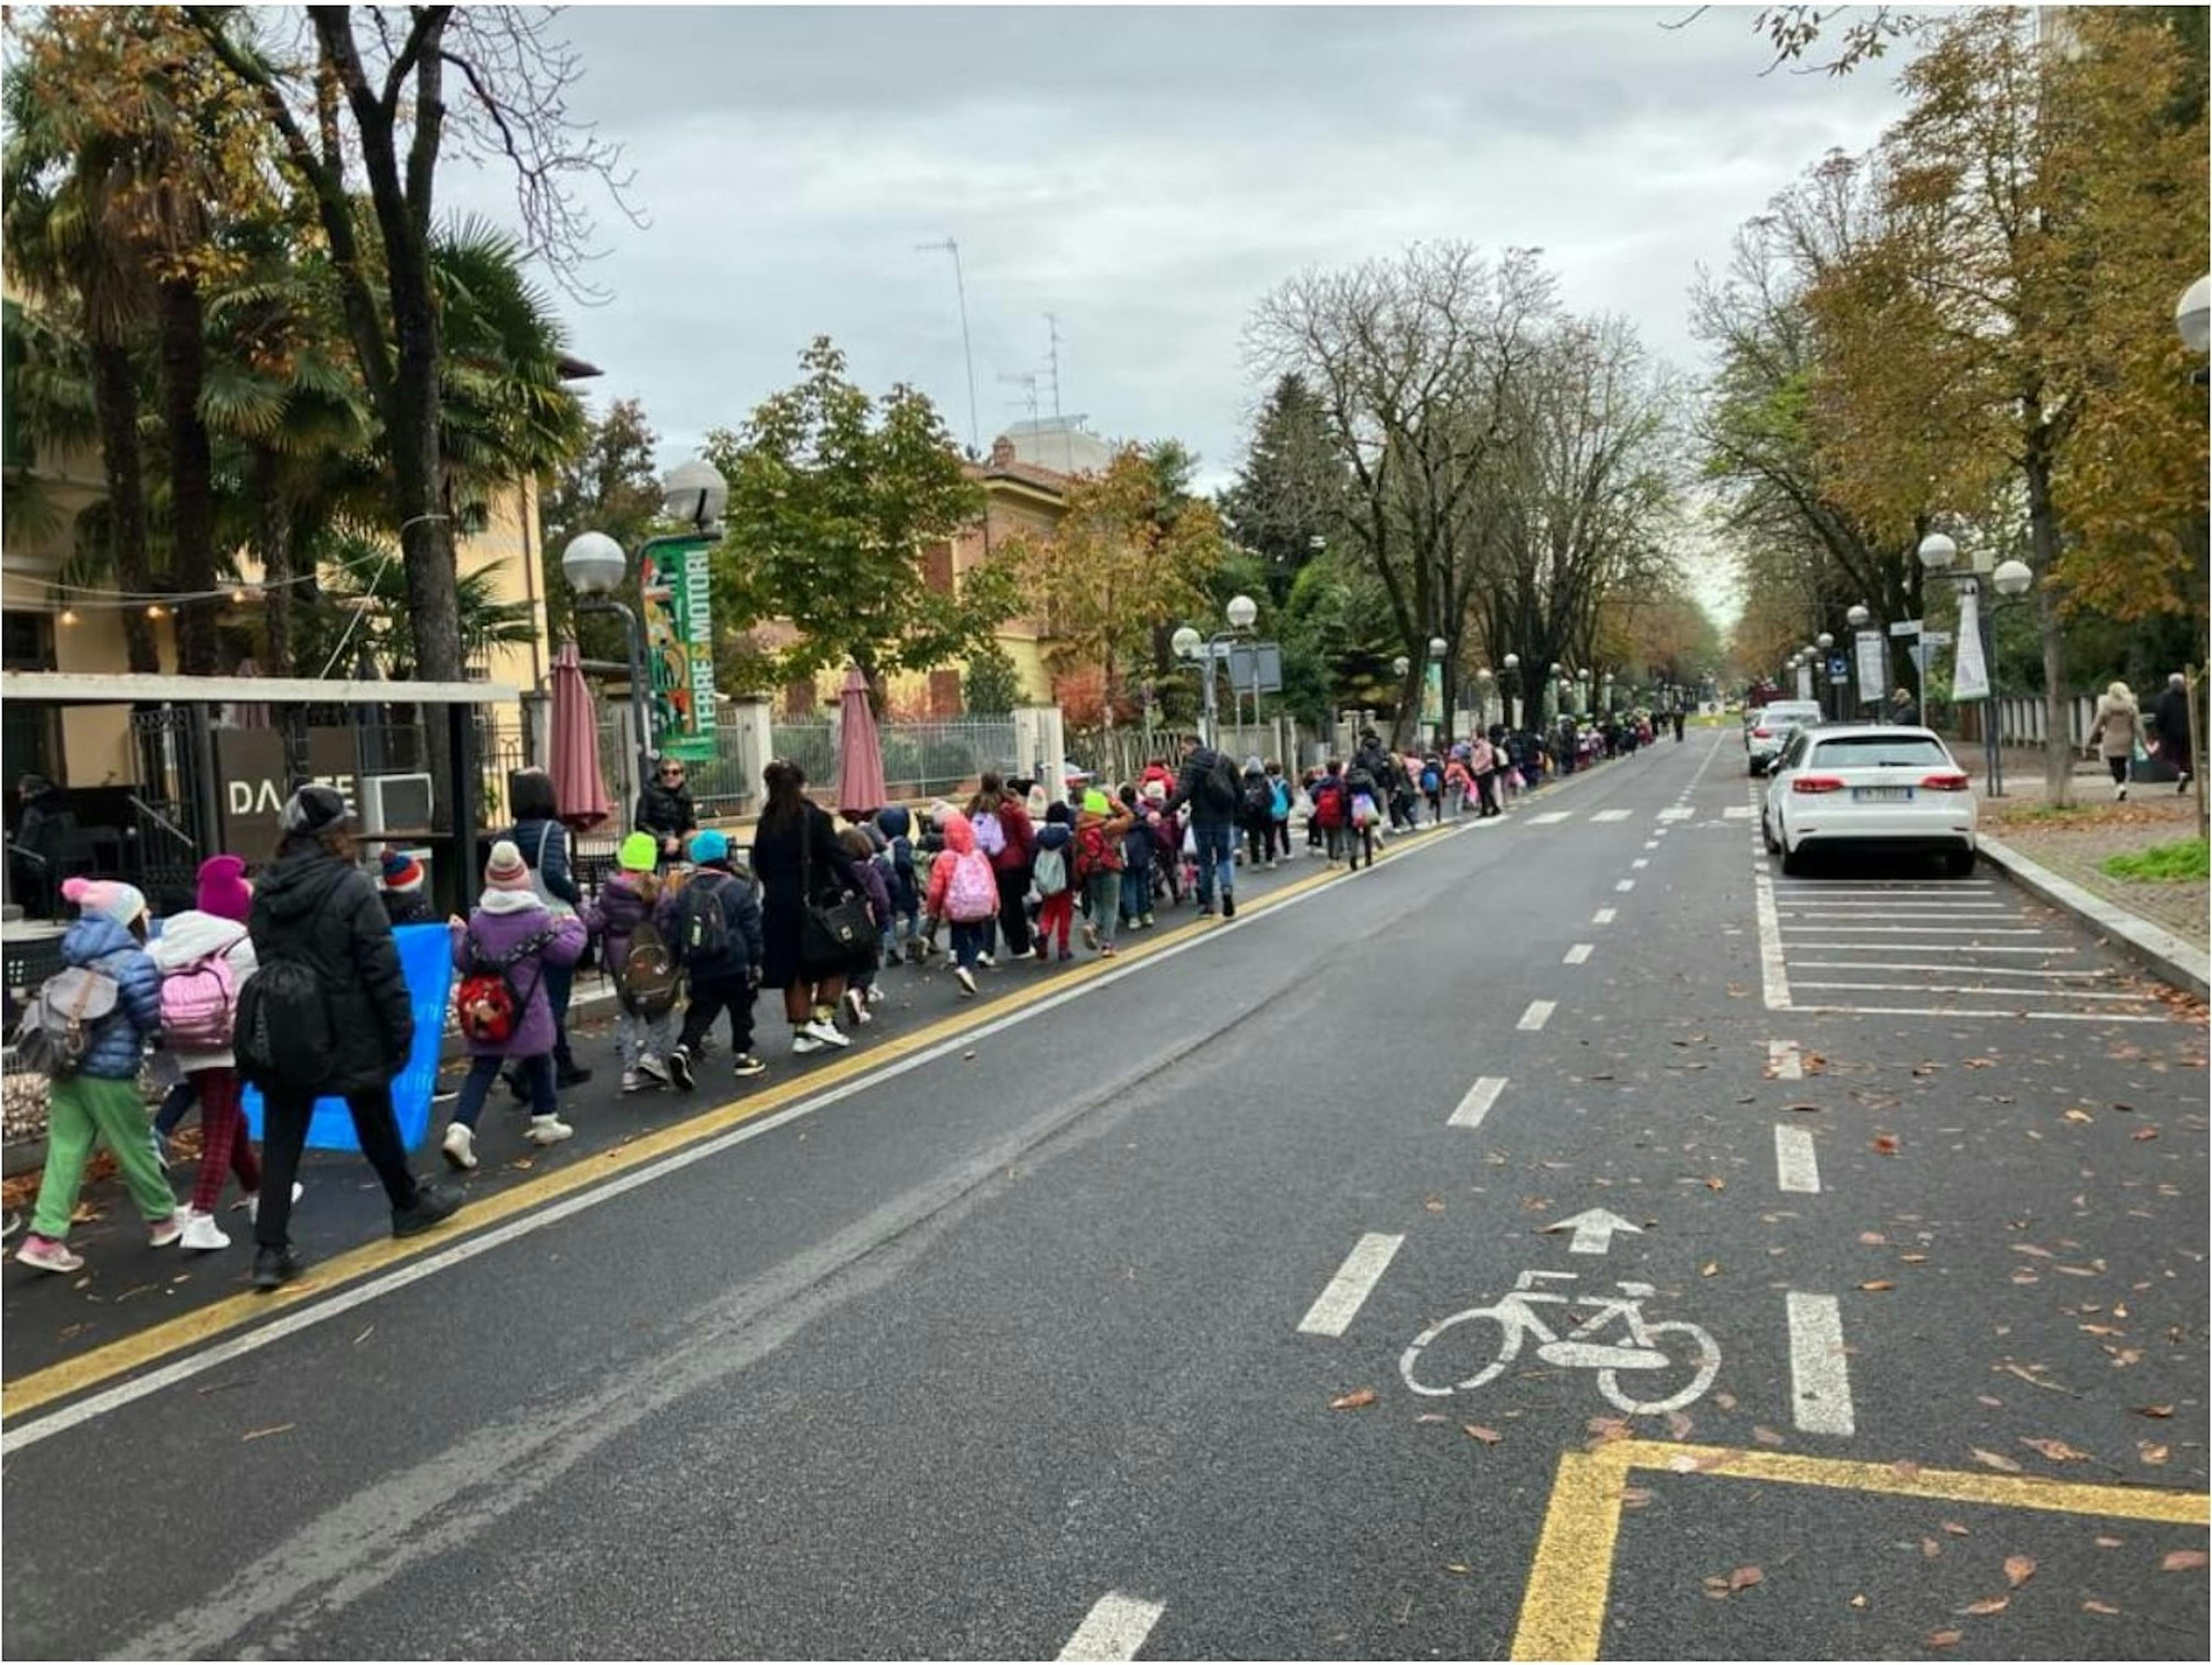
pixel 1002 452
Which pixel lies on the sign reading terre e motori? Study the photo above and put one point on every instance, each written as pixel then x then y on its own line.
pixel 679 645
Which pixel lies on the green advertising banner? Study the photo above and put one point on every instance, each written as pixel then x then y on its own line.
pixel 679 644
pixel 1432 694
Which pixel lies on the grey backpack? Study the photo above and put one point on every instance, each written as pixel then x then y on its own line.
pixel 69 1008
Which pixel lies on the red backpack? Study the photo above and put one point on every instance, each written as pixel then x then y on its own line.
pixel 1095 852
pixel 1329 805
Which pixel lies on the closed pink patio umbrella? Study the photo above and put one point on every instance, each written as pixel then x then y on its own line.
pixel 860 750
pixel 579 788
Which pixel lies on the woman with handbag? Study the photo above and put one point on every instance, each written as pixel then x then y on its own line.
pixel 809 906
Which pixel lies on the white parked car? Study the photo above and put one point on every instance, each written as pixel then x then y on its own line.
pixel 1870 787
pixel 1777 721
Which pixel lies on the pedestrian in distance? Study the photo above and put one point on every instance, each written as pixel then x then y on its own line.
pixel 963 890
pixel 1098 865
pixel 1681 716
pixel 799 864
pixel 2117 732
pixel 620 920
pixel 1001 821
pixel 538 834
pixel 326 1012
pixel 1307 781
pixel 96 1097
pixel 1136 908
pixel 401 891
pixel 1207 785
pixel 205 955
pixel 1279 814
pixel 862 994
pixel 713 926
pixel 1256 813
pixel 665 811
pixel 2170 718
pixel 1903 710
pixel 503 951
pixel 1432 787
pixel 1332 811
pixel 896 823
pixel 1052 873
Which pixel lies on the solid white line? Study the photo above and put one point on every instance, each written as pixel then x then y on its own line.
pixel 1477 1104
pixel 1611 815
pixel 1986 988
pixel 1577 954
pixel 1355 1280
pixel 1896 886
pixel 1773 969
pixel 1113 1629
pixel 1927 930
pixel 1930 947
pixel 1626 884
pixel 1784 1058
pixel 1948 1012
pixel 1538 1014
pixel 1922 965
pixel 1827 905
pixel 1603 916
pixel 1795 1165
pixel 1821 1381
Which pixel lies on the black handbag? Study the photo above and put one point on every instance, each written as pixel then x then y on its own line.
pixel 832 936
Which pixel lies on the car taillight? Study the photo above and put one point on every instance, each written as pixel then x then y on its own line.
pixel 1762 733
pixel 1817 783
pixel 1952 780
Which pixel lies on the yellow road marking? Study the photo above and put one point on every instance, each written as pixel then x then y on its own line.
pixel 39 1389
pixel 1563 1607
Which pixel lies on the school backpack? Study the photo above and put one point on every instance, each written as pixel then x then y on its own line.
pixel 1218 785
pixel 990 835
pixel 1430 781
pixel 1278 799
pixel 487 1006
pixel 1329 805
pixel 649 981
pixel 199 1005
pixel 702 925
pixel 971 895
pixel 1051 872
pixel 1363 809
pixel 65 1015
pixel 283 1037
pixel 1259 800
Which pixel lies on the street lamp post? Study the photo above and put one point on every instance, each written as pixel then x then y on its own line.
pixel 2192 321
pixel 1857 617
pixel 1938 558
pixel 1188 645
pixel 1512 689
pixel 595 566
pixel 1825 641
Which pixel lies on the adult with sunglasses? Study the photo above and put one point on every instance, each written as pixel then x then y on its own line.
pixel 665 811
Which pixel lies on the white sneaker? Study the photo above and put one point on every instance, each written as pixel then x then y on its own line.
pixel 250 1202
pixel 804 1040
pixel 460 1145
pixel 548 1130
pixel 162 1233
pixel 856 1006
pixel 202 1233
pixel 875 993
pixel 828 1033
pixel 965 978
pixel 634 1081
pixel 652 1065
pixel 985 961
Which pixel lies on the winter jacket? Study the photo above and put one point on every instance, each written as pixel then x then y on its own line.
pixel 782 855
pixel 613 918
pixel 2118 727
pixel 408 907
pixel 556 875
pixel 313 908
pixel 896 823
pixel 188 937
pixel 499 923
pixel 664 811
pixel 99 943
pixel 741 912
pixel 959 840
pixel 2171 716
pixel 1252 810
pixel 1059 836
pixel 1189 790
pixel 875 886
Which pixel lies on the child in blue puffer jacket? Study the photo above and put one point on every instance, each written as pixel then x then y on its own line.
pixel 99 1099
pixel 896 826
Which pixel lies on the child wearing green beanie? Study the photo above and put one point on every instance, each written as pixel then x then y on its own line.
pixel 645 1025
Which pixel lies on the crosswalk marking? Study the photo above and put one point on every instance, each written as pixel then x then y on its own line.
pixel 1677 813
pixel 1739 811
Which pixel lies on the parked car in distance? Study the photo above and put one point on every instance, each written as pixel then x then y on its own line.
pixel 1875 787
pixel 1778 721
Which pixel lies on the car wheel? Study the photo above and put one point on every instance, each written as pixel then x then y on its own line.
pixel 1793 861
pixel 1958 864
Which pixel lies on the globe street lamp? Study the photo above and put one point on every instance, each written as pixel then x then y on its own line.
pixel 1857 616
pixel 1512 687
pixel 595 567
pixel 1825 641
pixel 1188 645
pixel 1483 679
pixel 1939 557
pixel 2192 320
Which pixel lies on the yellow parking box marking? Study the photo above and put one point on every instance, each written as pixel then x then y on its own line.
pixel 1563 1607
pixel 127 1354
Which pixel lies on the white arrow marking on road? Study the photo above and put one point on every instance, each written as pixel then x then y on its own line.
pixel 1538 1014
pixel 1578 953
pixel 1477 1103
pixel 1333 1312
pixel 1594 1229
pixel 1113 1629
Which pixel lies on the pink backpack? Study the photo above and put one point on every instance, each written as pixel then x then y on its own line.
pixel 199 1005
pixel 972 894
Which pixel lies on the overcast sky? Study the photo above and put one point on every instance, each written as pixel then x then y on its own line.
pixel 1147 175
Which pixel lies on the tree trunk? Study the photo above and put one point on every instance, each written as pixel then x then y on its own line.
pixel 2043 545
pixel 192 488
pixel 115 402
pixel 273 531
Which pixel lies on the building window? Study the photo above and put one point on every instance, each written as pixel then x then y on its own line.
pixel 31 744
pixel 945 693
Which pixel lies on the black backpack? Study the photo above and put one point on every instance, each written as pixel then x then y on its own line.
pixel 703 936
pixel 1219 784
pixel 1259 801
pixel 283 1039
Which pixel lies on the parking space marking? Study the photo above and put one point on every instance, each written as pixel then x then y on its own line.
pixel 1477 1104
pixel 1114 1628
pixel 1578 953
pixel 1820 1380
pixel 1797 1168
pixel 1977 988
pixel 1538 1014
pixel 1785 1061
pixel 1931 948
pixel 1923 929
pixel 1774 969
pixel 1739 813
pixel 1603 916
pixel 2076 974
pixel 1563 1607
pixel 1332 1311
pixel 1979 1011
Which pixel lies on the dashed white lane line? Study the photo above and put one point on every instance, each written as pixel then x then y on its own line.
pixel 1549 819
pixel 1641 861
pixel 1538 1014
pixel 1477 1104
pixel 1603 916
pixel 1739 813
pixel 1677 813
pixel 1626 885
pixel 1611 815
pixel 1795 1162
pixel 1650 844
pixel 1332 1313
pixel 1578 953
pixel 1787 1062
pixel 1820 1380
pixel 1113 1629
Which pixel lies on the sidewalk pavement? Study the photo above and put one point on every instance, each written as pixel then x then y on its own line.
pixel 2059 852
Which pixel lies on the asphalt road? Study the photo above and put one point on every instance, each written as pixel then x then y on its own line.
pixel 1032 1340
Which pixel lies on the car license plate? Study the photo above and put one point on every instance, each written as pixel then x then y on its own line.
pixel 1881 794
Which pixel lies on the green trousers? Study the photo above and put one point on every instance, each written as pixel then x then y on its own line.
pixel 80 1110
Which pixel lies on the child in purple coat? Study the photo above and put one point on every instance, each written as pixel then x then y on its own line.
pixel 511 930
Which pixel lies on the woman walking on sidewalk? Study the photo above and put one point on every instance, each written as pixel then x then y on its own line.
pixel 2117 732
pixel 795 852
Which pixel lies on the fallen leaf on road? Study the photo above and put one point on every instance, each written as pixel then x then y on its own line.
pixel 1955 1529
pixel 2103 1542
pixel 264 1433
pixel 2030 1249
pixel 1634 1497
pixel 1805 1110
pixel 1993 1460
pixel 1766 1436
pixel 2019 1569
pixel 1434 1204
pixel 2154 1410
pixel 1715 1182
pixel 1709 1268
pixel 1929 1549
pixel 2143 1133
pixel 2057 1450
pixel 1884 1145
pixel 1904 1470
pixel 1359 1399
pixel 1607 1427
pixel 1872 1239
pixel 1726 1401
pixel 1986 1606
pixel 2182 1560
pixel 1432 1416
pixel 1943 1638
pixel 2079 1116
pixel 1858 1601
pixel 1744 1578
pixel 2154 1455
pixel 1476 1430
pixel 1457 1567
pixel 1878 1283
pixel 2092 1605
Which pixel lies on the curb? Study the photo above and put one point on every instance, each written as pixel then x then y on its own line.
pixel 2175 961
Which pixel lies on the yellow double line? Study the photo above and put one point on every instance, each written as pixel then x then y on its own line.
pixel 39 1389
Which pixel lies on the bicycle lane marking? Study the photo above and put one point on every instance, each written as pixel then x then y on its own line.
pixel 1563 1607
pixel 1332 1313
pixel 1114 1628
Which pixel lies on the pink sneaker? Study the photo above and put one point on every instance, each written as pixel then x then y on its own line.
pixel 48 1255
pixel 162 1233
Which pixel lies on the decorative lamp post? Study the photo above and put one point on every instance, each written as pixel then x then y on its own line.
pixel 1482 681
pixel 1512 685
pixel 1188 645
pixel 1825 641
pixel 1939 557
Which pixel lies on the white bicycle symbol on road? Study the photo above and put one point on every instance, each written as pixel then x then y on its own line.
pixel 1645 1349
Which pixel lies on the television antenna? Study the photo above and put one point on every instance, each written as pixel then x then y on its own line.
pixel 950 246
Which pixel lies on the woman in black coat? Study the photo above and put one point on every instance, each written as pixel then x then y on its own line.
pixel 795 847
pixel 316 905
